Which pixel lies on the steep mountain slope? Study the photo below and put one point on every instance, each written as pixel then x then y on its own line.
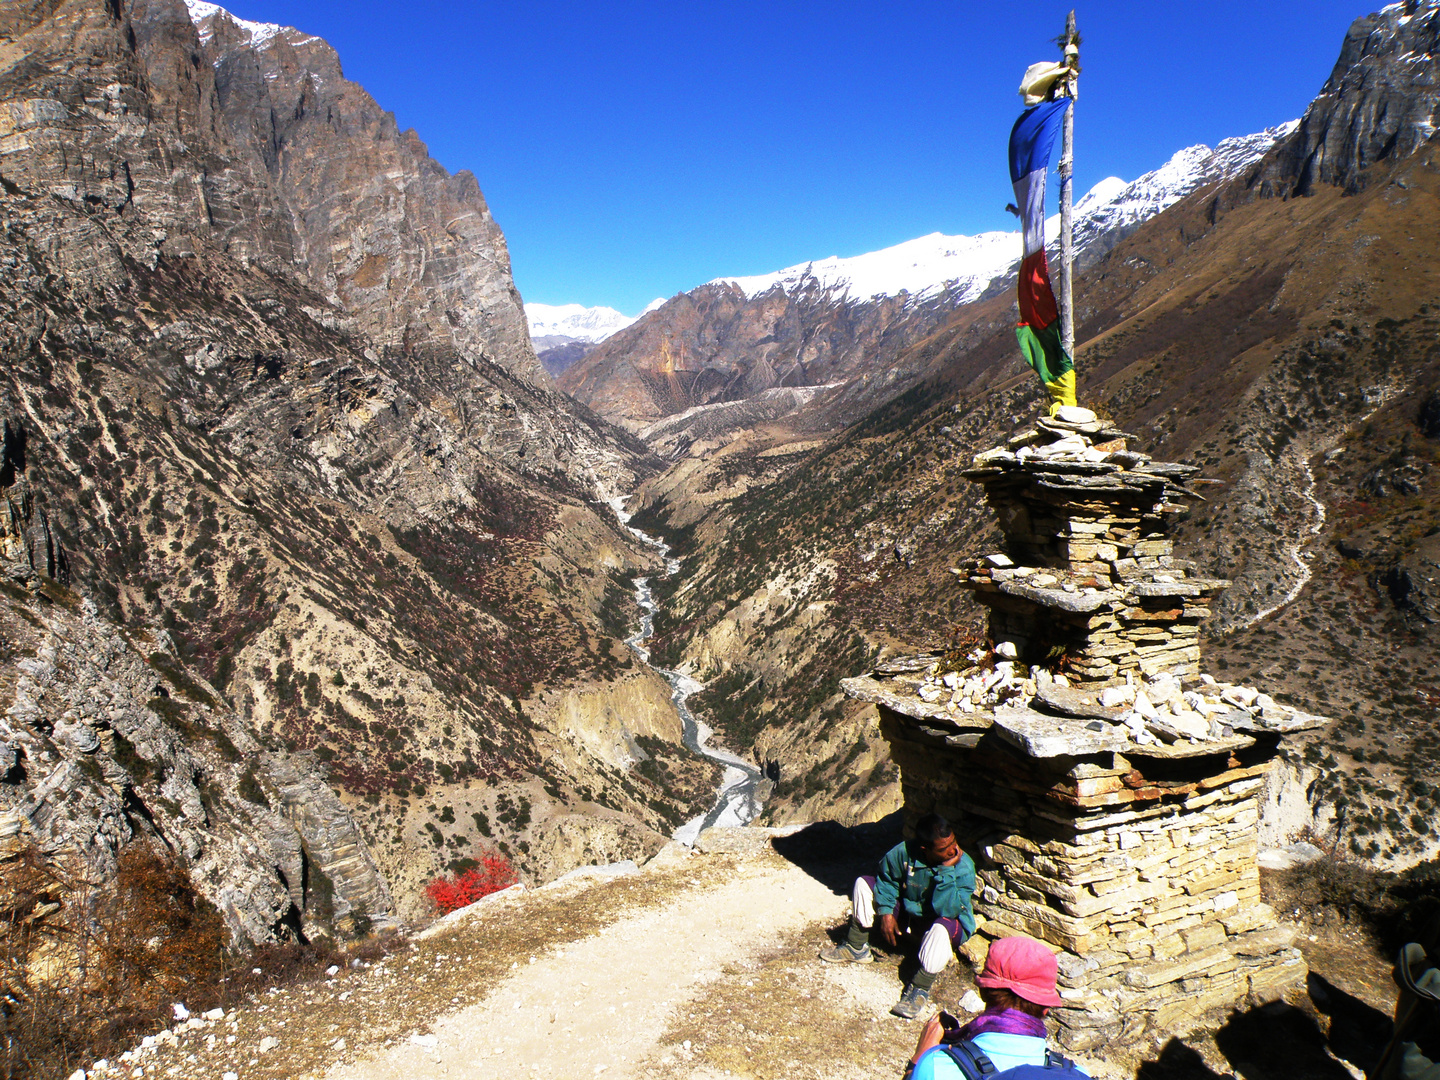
pixel 377 544
pixel 409 252
pixel 848 320
pixel 1288 345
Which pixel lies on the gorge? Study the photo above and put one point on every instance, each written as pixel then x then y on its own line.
pixel 740 797
pixel 317 582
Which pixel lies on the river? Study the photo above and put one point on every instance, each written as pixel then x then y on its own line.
pixel 736 802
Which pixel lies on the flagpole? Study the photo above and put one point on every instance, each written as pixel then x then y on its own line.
pixel 1067 168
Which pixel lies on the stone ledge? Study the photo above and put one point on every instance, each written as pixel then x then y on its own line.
pixel 1043 736
pixel 1077 603
pixel 867 688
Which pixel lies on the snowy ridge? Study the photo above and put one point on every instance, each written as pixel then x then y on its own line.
pixel 965 266
pixel 921 267
pixel 580 323
pixel 261 34
pixel 1188 170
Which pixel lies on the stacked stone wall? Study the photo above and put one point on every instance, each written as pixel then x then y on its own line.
pixel 1140 872
pixel 1108 791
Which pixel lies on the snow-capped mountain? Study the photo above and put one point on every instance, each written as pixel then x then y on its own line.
pixel 964 266
pixel 848 320
pixel 919 267
pixel 260 33
pixel 1106 217
pixel 576 322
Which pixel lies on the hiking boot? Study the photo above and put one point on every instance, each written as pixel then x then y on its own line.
pixel 912 1002
pixel 844 954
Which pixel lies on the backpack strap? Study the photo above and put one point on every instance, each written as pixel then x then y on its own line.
pixel 970 1059
pixel 1055 1060
pixel 1411 968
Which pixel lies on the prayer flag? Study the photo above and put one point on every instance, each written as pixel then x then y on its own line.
pixel 1032 141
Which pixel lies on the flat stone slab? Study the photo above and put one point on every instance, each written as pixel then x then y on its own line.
pixel 1170 470
pixel 1240 720
pixel 1288 857
pixel 901 699
pixel 1165 588
pixel 1076 602
pixel 1185 748
pixel 1043 736
pixel 1073 468
pixel 898 665
pixel 1070 701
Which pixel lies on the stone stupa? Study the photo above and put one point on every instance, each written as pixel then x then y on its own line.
pixel 1106 787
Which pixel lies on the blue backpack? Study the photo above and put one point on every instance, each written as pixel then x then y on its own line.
pixel 975 1065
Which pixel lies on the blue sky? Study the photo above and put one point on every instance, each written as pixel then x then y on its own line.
pixel 633 150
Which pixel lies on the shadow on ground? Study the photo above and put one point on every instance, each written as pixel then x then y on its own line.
pixel 835 855
pixel 1280 1041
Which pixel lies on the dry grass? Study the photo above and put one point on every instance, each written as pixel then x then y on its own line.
pixel 790 1016
pixel 83 969
pixel 385 1001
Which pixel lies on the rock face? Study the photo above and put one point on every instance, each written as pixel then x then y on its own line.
pixel 1381 101
pixel 108 738
pixel 305 443
pixel 1411 586
pixel 410 253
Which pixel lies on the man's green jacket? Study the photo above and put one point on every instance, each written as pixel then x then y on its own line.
pixel 926 892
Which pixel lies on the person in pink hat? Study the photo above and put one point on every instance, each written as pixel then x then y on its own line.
pixel 1018 988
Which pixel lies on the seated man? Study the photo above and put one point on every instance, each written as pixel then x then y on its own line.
pixel 923 888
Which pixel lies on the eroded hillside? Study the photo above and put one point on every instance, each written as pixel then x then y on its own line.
pixel 304 462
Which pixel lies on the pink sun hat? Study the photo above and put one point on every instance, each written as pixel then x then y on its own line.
pixel 1023 966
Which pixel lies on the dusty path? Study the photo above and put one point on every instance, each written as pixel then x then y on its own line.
pixel 600 1006
pixel 697 967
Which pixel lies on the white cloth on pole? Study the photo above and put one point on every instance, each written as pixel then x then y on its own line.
pixel 1039 78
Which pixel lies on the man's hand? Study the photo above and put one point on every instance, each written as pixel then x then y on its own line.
pixel 944 852
pixel 890 930
pixel 929 1038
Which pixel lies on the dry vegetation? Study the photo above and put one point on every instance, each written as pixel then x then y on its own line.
pixel 386 995
pixel 86 968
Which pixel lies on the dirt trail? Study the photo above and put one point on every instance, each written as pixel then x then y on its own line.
pixel 600 1006
pixel 698 966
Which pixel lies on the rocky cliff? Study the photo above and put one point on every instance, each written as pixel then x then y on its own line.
pixel 1379 104
pixel 293 450
pixel 1286 345
pixel 409 252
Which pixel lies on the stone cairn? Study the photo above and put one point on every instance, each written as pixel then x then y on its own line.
pixel 1106 788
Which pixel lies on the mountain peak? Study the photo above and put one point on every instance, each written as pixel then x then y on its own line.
pixel 580 323
pixel 965 266
pixel 204 16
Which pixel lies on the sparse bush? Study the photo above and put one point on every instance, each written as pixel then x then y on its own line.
pixel 492 874
pixel 84 968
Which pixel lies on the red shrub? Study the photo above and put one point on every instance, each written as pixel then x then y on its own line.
pixel 451 893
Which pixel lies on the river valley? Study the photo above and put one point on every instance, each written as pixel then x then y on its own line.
pixel 741 794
